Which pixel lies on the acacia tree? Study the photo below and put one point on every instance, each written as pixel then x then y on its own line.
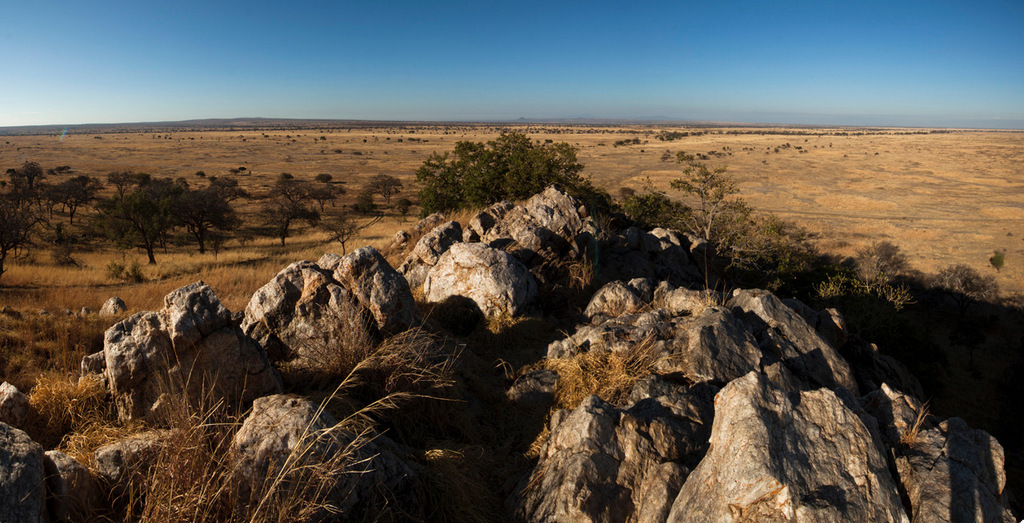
pixel 143 216
pixel 288 201
pixel 16 221
pixel 340 228
pixel 25 177
pixel 718 205
pixel 384 185
pixel 204 210
pixel 73 193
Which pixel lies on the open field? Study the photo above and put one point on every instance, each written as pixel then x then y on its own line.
pixel 943 196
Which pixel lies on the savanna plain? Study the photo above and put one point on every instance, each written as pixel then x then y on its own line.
pixel 942 196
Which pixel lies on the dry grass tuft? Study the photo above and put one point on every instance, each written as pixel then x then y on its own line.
pixel 609 375
pixel 909 437
pixel 63 405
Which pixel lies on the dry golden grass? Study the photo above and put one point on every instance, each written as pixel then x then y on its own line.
pixel 609 375
pixel 909 438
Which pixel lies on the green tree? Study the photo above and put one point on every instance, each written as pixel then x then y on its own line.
pixel 17 219
pixel 73 193
pixel 204 211
pixel 719 209
pixel 142 216
pixel 997 260
pixel 511 167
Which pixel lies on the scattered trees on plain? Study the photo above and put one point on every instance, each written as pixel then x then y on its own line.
pixel 384 185
pixel 289 201
pixel 142 216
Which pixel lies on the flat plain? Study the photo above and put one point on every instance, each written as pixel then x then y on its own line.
pixel 943 196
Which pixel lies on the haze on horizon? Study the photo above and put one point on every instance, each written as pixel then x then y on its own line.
pixel 920 64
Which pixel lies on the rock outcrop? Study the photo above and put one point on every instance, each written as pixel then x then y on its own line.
pixel 493 279
pixel 72 488
pixel 377 286
pixel 22 473
pixel 776 455
pixel 189 350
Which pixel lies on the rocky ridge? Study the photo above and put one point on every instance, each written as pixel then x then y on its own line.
pixel 757 408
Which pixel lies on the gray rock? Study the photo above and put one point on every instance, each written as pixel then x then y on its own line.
pixel 22 473
pixel 95 363
pixel 614 299
pixel 286 436
pixel 428 250
pixel 188 350
pixel 494 280
pixel 784 334
pixel 376 286
pixel 14 405
pixel 534 389
pixel 955 473
pixel 123 461
pixel 720 349
pixel 114 306
pixel 800 456
pixel 304 314
pixel 601 463
pixel 73 492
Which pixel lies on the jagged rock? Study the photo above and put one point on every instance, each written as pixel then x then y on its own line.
pixel 787 456
pixel 305 314
pixel 114 306
pixel 428 250
pixel 285 434
pixel 601 463
pixel 189 349
pixel 22 473
pixel 534 389
pixel 829 323
pixel 548 225
pixel 873 369
pixel 377 286
pixel 73 492
pixel 785 335
pixel 119 462
pixel 493 279
pixel 14 405
pixel 954 473
pixel 719 349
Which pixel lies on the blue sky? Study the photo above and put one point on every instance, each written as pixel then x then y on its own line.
pixel 929 63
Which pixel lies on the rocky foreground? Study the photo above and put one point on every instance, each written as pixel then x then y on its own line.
pixel 757 408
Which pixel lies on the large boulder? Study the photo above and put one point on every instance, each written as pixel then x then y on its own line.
pixel 493 279
pixel 376 286
pixel 786 336
pixel 793 456
pixel 304 314
pixel 22 473
pixel 189 350
pixel 14 405
pixel 601 463
pixel 428 250
pixel 291 440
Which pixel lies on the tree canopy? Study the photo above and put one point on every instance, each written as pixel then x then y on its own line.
pixel 511 167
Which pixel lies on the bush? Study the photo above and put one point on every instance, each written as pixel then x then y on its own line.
pixel 364 203
pixel 512 167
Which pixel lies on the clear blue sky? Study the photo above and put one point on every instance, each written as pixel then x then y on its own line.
pixel 932 63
